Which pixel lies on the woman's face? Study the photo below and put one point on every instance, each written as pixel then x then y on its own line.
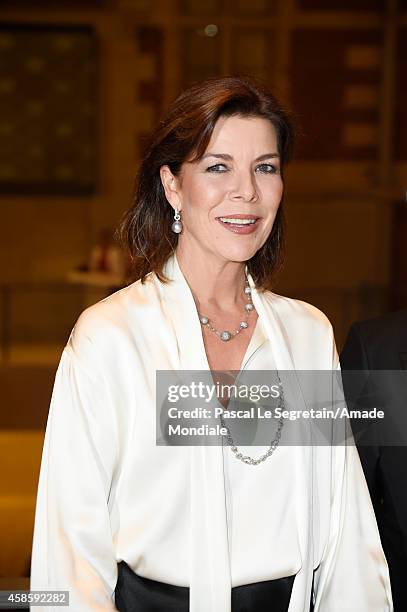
pixel 229 199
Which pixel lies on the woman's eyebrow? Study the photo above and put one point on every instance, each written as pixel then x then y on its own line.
pixel 228 157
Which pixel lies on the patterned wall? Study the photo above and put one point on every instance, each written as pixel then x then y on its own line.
pixel 342 5
pixel 60 5
pixel 335 86
pixel 200 55
pixel 48 110
pixel 253 48
pixel 225 7
pixel 401 97
pixel 149 76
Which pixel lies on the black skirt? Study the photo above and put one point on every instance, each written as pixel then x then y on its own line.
pixel 135 593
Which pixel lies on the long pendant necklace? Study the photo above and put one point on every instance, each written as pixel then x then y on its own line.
pixel 226 335
pixel 274 443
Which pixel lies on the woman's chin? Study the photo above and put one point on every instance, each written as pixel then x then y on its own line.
pixel 238 254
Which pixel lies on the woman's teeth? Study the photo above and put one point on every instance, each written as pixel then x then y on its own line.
pixel 238 221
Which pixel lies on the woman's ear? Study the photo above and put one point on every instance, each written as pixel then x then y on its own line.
pixel 171 187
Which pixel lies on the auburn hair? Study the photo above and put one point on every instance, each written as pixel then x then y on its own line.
pixel 186 130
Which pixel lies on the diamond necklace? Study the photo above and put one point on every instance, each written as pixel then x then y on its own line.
pixel 226 335
pixel 274 443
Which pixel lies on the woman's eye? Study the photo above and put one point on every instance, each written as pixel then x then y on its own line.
pixel 267 168
pixel 263 168
pixel 217 168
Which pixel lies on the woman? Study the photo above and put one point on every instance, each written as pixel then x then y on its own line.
pixel 122 521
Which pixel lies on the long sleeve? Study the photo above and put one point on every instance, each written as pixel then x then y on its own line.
pixel 72 544
pixel 353 574
pixel 371 346
pixel 354 357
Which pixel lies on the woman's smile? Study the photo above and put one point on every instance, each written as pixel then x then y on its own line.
pixel 239 223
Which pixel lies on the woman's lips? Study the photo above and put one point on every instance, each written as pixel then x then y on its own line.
pixel 239 228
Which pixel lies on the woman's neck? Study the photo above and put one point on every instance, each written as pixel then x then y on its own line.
pixel 214 282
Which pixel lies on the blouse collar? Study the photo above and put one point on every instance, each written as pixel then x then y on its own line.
pixel 184 315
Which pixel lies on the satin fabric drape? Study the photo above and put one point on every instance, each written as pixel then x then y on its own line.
pixel 107 493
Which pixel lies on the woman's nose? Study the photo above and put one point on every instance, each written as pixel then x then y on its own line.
pixel 244 188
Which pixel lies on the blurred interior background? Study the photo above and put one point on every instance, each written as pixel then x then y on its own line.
pixel 82 82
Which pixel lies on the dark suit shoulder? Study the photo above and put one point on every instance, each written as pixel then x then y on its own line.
pixel 384 339
pixel 383 328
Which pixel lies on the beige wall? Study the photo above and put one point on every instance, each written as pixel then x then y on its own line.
pixel 44 236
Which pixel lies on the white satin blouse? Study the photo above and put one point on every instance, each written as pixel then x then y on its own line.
pixel 258 526
pixel 193 516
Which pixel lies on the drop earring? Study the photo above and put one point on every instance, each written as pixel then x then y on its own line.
pixel 177 225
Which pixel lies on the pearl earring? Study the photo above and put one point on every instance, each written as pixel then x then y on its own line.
pixel 177 225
